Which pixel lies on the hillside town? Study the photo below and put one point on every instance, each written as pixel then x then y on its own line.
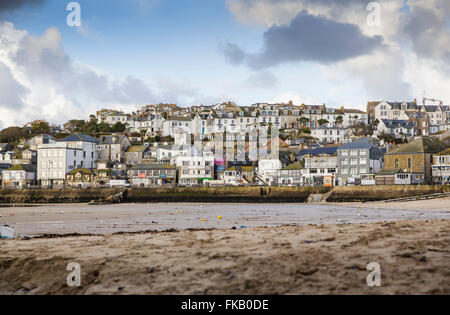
pixel 390 143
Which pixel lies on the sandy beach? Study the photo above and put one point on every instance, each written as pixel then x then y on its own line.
pixel 325 259
pixel 425 205
pixel 228 248
pixel 139 217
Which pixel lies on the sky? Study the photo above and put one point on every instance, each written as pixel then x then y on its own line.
pixel 128 53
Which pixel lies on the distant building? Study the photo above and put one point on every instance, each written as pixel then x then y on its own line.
pixel 19 177
pixel 320 166
pixel 80 178
pixel 415 157
pixel 152 175
pixel 55 160
pixel 441 168
pixel 291 175
pixel 112 148
pixel 329 134
pixel 356 158
pixel 396 128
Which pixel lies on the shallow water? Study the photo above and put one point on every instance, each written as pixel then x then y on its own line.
pixel 83 219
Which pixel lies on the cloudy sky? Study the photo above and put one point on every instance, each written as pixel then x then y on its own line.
pixel 127 53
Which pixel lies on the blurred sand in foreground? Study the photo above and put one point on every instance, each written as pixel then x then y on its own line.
pixel 324 259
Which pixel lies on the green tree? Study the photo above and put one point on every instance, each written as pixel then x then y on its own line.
pixel 339 120
pixel 40 127
pixel 323 122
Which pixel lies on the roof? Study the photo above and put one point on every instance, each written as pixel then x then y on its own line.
pixel 398 123
pixel 445 152
pixel 180 118
pixel 420 145
pixel 293 166
pixel 241 169
pixel 152 167
pixel 79 137
pixel 113 139
pixel 136 148
pixel 319 151
pixel 23 167
pixel 362 143
pixel 84 171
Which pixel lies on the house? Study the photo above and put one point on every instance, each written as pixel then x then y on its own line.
pixel 112 148
pixel 80 178
pixel 194 169
pixel 55 160
pixel 441 168
pixel 86 143
pixel 239 175
pixel 152 175
pixel 356 158
pixel 135 154
pixel 34 142
pixel 320 166
pixel 5 147
pixel 398 177
pixel 3 167
pixel 291 175
pixel 394 110
pixel 329 134
pixel 399 129
pixel 415 157
pixel 19 177
pixel 25 157
pixel 177 124
pixel 7 157
pixel 268 170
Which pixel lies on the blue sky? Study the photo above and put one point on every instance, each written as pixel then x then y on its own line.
pixel 181 51
pixel 175 39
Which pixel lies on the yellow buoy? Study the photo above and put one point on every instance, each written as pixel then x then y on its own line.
pixel 219 217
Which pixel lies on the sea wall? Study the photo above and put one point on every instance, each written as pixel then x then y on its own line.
pixel 216 194
pixel 377 193
pixel 32 196
pixel 224 194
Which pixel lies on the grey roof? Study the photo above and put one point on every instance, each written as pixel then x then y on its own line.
pixel 363 143
pixel 324 127
pixel 398 123
pixel 114 139
pixel 319 151
pixel 79 137
pixel 152 167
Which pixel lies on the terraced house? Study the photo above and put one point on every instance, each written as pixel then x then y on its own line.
pixel 358 158
pixel 441 168
pixel 414 158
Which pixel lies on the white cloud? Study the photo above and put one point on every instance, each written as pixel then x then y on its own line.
pixel 296 98
pixel 41 81
pixel 417 39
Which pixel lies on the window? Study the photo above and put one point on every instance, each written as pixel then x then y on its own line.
pixel 410 163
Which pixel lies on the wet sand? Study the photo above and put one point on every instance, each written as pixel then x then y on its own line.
pixel 325 259
pixel 251 249
pixel 442 204
pixel 84 219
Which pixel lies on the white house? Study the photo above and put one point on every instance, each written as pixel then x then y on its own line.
pixel 55 160
pixel 193 170
pixel 329 134
pixel 269 170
